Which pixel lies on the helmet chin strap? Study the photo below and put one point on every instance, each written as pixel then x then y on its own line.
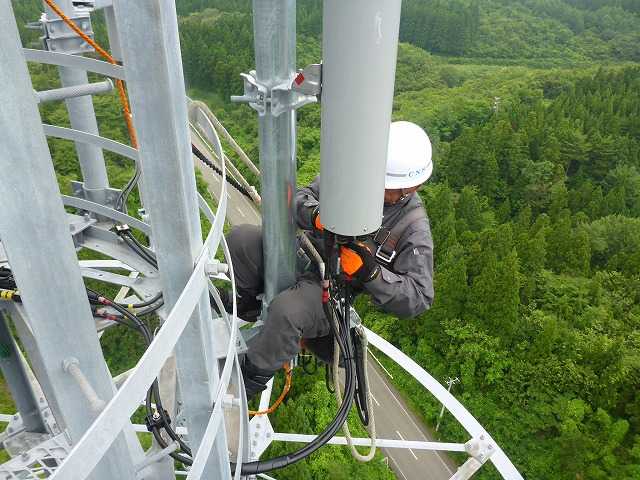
pixel 405 193
pixel 403 196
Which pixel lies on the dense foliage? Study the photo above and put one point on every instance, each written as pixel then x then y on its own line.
pixel 536 32
pixel 535 222
pixel 556 31
pixel 534 207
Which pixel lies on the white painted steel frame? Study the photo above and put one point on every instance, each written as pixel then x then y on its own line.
pixel 148 33
pixel 202 455
pixel 104 211
pixel 95 442
pixel 380 442
pixel 89 138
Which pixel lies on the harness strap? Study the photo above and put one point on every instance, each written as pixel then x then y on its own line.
pixel 387 237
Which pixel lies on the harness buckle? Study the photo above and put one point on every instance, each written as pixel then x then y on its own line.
pixel 383 256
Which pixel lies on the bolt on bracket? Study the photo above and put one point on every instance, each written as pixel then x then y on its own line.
pixel 71 365
pixel 480 448
pixel 58 37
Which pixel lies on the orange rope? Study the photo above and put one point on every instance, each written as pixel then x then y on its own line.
pixel 128 118
pixel 285 390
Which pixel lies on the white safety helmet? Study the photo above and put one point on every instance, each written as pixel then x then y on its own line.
pixel 409 160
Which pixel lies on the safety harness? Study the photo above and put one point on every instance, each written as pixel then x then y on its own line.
pixel 387 238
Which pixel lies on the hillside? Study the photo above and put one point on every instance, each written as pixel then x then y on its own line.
pixel 536 32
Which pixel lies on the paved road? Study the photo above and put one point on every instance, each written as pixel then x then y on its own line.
pixel 394 420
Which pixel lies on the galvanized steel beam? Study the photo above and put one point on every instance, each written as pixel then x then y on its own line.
pixel 274 28
pixel 151 54
pixel 15 374
pixel 83 117
pixel 35 235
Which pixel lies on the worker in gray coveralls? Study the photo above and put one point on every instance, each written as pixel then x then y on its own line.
pixel 397 272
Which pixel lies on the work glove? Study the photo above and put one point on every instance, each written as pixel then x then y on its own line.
pixel 315 219
pixel 358 261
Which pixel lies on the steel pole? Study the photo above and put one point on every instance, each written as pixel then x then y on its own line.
pixel 35 234
pixel 274 28
pixel 82 117
pixel 15 374
pixel 151 52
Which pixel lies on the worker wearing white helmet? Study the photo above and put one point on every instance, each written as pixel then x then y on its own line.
pixel 395 267
pixel 409 161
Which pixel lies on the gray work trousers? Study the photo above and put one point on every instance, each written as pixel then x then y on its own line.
pixel 293 314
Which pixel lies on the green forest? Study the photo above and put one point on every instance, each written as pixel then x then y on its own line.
pixel 533 107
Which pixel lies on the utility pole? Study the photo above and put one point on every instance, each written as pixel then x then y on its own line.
pixel 496 104
pixel 450 383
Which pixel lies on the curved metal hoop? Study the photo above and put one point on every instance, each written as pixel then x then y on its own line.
pixel 74 61
pixel 96 140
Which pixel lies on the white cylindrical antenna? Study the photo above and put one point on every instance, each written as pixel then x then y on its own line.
pixel 360 42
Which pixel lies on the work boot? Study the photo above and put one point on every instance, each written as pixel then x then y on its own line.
pixel 322 348
pixel 255 379
pixel 249 307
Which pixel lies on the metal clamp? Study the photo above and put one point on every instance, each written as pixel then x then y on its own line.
pixel 103 196
pixel 480 449
pixel 58 37
pixel 281 98
pixel 255 93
